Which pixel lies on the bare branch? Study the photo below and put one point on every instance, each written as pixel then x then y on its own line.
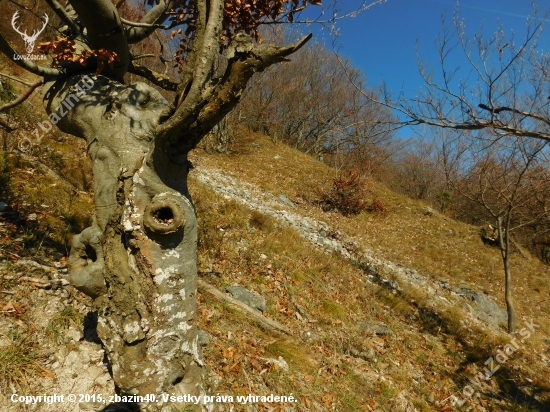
pixel 23 97
pixel 157 79
pixel 149 23
pixel 63 15
pixel 139 24
pixel 247 60
pixel 16 79
pixel 26 64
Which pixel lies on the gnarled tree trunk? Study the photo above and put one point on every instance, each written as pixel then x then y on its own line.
pixel 138 259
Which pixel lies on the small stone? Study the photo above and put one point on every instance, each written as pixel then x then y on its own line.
pixel 204 338
pixel 73 334
pixel 392 284
pixel 428 211
pixel 431 398
pixel 33 217
pixel 383 331
pixel 263 257
pixel 280 362
pixel 307 336
pixel 3 207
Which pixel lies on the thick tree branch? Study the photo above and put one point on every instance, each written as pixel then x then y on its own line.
pixel 246 59
pixel 138 24
pixel 150 22
pixel 193 93
pixel 15 79
pixel 23 97
pixel 102 21
pixel 157 79
pixel 63 15
pixel 270 324
pixel 27 64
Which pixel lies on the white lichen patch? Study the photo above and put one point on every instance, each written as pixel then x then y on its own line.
pixel 167 308
pixel 184 326
pixel 179 315
pixel 131 328
pixel 196 352
pixel 145 324
pixel 137 178
pixel 164 274
pixel 164 298
pixel 172 253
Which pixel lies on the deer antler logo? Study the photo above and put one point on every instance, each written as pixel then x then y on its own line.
pixel 29 40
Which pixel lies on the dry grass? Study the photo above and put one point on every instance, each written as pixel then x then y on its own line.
pixel 323 298
pixel 337 300
pixel 20 363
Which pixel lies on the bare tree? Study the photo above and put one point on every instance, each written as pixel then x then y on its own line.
pixel 310 104
pixel 506 186
pixel 504 87
pixel 138 260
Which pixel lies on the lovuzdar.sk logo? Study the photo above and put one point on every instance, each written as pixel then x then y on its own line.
pixel 29 40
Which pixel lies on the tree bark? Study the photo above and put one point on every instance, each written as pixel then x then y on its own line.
pixel 138 258
pixel 504 242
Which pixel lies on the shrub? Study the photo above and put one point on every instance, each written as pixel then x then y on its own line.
pixel 346 194
pixel 377 206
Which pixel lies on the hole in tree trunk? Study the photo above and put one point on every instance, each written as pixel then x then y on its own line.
pixel 90 253
pixel 164 215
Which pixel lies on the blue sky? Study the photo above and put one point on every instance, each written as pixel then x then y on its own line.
pixel 382 40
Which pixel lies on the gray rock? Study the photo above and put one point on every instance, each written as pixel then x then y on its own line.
pixel 3 207
pixel 286 201
pixel 483 306
pixel 383 330
pixel 307 336
pixel 96 371
pixel 380 330
pixel 368 355
pixel 428 211
pixel 252 299
pixel 204 338
pixel 392 284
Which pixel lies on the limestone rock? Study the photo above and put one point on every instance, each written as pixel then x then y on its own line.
pixel 204 338
pixel 483 307
pixel 286 201
pixel 252 299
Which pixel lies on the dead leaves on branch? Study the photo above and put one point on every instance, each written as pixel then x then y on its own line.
pixel 64 50
pixel 239 16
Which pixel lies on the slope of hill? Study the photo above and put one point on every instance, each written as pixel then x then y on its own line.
pixel 389 311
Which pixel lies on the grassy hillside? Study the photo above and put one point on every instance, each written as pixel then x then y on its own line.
pixel 355 345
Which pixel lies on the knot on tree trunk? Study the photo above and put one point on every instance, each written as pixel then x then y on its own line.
pixel 86 262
